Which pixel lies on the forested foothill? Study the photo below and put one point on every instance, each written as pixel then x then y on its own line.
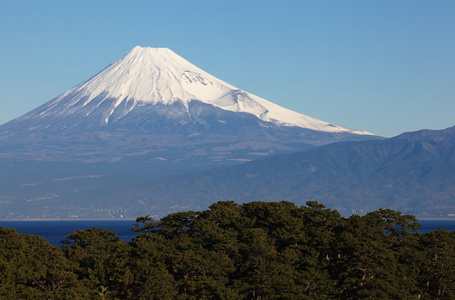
pixel 256 250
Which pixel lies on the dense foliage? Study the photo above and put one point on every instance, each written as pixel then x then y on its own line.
pixel 257 250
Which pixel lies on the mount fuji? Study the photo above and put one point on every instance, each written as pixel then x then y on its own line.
pixel 148 115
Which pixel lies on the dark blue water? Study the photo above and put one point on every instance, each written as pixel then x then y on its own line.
pixel 429 225
pixel 54 231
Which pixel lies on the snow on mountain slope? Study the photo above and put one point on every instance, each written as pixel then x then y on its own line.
pixel 148 76
pixel 148 116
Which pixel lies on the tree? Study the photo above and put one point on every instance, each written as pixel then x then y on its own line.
pixel 102 259
pixel 370 255
pixel 32 268
pixel 438 272
pixel 145 224
pixel 150 256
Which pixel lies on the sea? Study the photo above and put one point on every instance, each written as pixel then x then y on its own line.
pixel 55 231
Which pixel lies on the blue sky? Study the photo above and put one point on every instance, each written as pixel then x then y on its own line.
pixel 384 66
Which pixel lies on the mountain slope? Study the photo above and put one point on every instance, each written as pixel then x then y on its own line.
pixel 153 102
pixel 413 172
pixel 149 76
pixel 151 114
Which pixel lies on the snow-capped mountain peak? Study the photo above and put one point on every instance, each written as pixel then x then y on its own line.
pixel 147 76
pixel 143 76
pixel 113 140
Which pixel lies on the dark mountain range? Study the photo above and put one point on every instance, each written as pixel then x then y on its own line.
pixel 147 116
pixel 413 173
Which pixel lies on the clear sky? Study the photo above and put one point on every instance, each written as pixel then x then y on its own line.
pixel 385 66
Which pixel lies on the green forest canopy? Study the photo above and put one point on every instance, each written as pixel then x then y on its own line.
pixel 256 250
